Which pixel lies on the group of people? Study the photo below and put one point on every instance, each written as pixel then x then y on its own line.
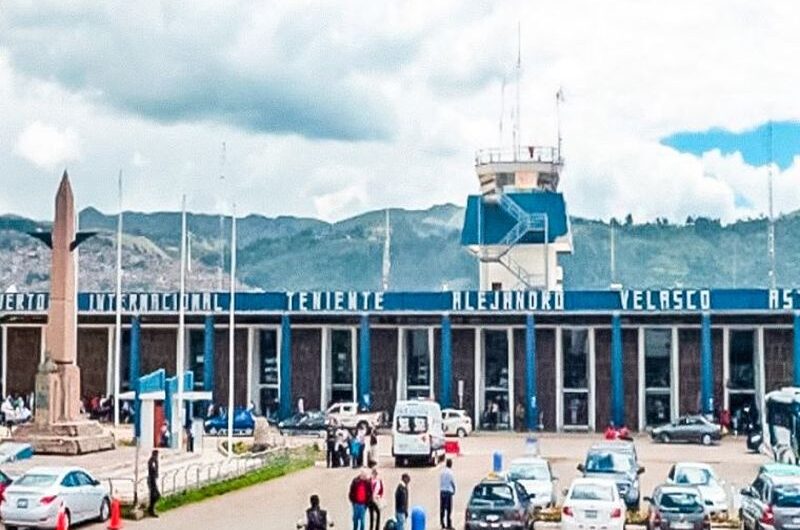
pixel 15 410
pixel 367 495
pixel 344 449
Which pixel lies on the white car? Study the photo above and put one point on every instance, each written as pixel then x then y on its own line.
pixel 593 504
pixel 702 477
pixel 534 474
pixel 456 423
pixel 34 499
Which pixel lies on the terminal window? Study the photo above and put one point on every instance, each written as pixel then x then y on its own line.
pixel 496 385
pixel 341 365
pixel 658 376
pixel 575 377
pixel 418 363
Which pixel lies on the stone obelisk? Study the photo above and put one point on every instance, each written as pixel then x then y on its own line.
pixel 58 427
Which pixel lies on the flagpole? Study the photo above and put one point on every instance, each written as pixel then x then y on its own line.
pixel 231 333
pixel 177 429
pixel 118 316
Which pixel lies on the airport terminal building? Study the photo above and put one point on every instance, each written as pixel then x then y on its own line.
pixel 538 354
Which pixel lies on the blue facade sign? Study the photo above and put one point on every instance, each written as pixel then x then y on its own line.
pixel 360 302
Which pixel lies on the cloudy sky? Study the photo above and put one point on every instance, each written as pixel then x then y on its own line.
pixel 329 109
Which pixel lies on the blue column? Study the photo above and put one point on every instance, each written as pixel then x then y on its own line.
pixel 286 368
pixel 446 361
pixel 617 379
pixel 364 365
pixel 706 366
pixel 532 403
pixel 208 354
pixel 133 370
pixel 796 356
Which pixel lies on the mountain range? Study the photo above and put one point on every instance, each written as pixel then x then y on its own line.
pixel 292 253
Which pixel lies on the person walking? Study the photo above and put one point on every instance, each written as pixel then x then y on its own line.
pixel 401 502
pixel 360 495
pixel 316 517
pixel 330 445
pixel 152 483
pixel 447 488
pixel 376 500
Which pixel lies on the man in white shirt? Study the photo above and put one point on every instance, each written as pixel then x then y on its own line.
pixel 447 488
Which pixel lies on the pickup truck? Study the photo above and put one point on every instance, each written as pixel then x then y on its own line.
pixel 348 416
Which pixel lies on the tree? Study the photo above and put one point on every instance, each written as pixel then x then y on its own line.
pixel 628 220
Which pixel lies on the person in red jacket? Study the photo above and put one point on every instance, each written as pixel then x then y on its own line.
pixel 360 495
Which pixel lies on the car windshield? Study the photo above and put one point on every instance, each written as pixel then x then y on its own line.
pixel 492 495
pixel 695 476
pixel 681 502
pixel 609 462
pixel 786 496
pixel 528 471
pixel 591 492
pixel 36 481
pixel 412 424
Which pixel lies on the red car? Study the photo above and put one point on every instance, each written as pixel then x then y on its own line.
pixel 5 480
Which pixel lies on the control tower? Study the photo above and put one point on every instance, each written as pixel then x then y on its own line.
pixel 518 225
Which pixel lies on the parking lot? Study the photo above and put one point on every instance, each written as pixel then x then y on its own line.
pixel 278 504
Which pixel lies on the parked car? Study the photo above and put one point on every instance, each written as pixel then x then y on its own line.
pixel 702 477
pixel 771 502
pixel 496 502
pixel 456 423
pixel 244 423
pixel 616 461
pixel 694 428
pixel 536 476
pixel 350 417
pixel 33 500
pixel 593 503
pixel 779 469
pixel 677 508
pixel 310 422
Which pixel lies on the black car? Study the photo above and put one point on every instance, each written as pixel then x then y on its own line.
pixel 499 503
pixel 696 428
pixel 677 508
pixel 310 422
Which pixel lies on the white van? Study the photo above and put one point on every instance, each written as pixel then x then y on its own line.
pixel 417 433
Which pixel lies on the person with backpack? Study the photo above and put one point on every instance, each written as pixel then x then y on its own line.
pixel 360 495
pixel 376 501
pixel 401 502
pixel 316 517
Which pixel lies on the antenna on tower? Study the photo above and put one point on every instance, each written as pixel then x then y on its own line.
pixel 517 72
pixel 559 101
pixel 771 233
pixel 502 109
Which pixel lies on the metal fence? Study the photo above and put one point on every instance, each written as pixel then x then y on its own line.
pixel 196 475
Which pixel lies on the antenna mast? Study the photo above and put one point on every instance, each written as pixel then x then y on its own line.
pixel 220 276
pixel 387 258
pixel 771 234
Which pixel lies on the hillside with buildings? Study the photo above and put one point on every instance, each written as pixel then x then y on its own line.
pixel 288 253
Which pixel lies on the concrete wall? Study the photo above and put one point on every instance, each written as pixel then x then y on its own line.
pixel 93 361
pixel 306 366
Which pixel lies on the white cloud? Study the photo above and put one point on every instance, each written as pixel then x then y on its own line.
pixel 383 104
pixel 48 147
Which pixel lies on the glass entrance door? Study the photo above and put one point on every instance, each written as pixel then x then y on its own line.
pixel 267 372
pixel 341 366
pixel 418 363
pixel 496 380
pixel 742 370
pixel 575 377
pixel 657 376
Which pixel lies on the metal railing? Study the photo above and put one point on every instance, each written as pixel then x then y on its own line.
pixel 521 154
pixel 194 475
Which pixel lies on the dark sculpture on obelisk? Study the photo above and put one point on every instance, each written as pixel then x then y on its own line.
pixel 58 426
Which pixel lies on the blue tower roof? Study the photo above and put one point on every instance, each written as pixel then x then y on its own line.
pixel 495 221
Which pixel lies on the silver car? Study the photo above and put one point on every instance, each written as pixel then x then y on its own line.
pixel 34 499
pixel 534 474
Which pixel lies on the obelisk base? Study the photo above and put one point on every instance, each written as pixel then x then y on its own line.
pixel 68 438
pixel 53 431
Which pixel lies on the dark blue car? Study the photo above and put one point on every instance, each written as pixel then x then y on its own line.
pixel 244 423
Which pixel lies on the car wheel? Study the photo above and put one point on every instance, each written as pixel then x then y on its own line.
pixel 706 439
pixel 398 462
pixel 664 438
pixel 461 432
pixel 105 510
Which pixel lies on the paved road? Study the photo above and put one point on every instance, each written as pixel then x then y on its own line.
pixel 277 505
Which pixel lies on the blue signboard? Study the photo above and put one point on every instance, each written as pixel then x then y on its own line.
pixel 467 302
